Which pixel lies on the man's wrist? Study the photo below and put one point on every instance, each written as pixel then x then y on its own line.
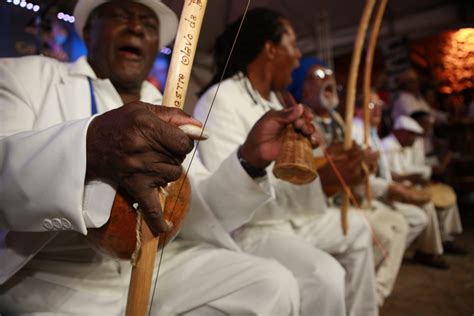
pixel 253 172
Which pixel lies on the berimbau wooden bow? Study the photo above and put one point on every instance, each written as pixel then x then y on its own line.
pixel 175 93
pixel 351 93
pixel 369 60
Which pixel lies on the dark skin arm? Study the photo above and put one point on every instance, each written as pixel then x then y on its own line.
pixel 405 194
pixel 440 169
pixel 415 178
pixel 398 192
pixel 139 147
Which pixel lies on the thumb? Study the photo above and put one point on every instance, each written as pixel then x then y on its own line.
pixel 289 115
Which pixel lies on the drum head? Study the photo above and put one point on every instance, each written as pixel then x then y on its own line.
pixel 442 195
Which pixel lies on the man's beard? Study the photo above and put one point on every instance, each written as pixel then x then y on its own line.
pixel 331 103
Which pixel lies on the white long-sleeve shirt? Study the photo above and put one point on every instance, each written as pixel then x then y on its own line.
pixel 401 159
pixel 236 109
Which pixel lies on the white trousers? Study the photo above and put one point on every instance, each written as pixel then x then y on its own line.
pixel 449 222
pixel 195 279
pixel 416 218
pixel 430 239
pixel 437 224
pixel 390 230
pixel 205 281
pixel 326 288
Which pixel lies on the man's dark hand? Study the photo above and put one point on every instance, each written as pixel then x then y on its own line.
pixel 371 159
pixel 139 147
pixel 263 143
pixel 412 195
pixel 398 192
pixel 417 178
pixel 413 178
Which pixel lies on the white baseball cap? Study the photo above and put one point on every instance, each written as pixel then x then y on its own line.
pixel 408 124
pixel 166 16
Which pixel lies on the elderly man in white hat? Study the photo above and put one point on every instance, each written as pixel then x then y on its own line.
pixel 397 147
pixel 61 165
pixel 405 132
pixel 409 98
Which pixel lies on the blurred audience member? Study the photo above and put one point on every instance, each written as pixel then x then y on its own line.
pixel 410 99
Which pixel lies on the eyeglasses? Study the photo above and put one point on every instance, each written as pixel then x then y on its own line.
pixel 323 73
pixel 373 104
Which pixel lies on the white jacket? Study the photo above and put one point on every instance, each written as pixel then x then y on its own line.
pixel 400 159
pixel 45 110
pixel 378 183
pixel 236 109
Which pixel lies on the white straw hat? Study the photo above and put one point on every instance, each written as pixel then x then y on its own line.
pixel 166 16
pixel 408 124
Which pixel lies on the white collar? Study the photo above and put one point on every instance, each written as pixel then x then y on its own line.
pixel 81 67
pixel 272 104
pixel 394 143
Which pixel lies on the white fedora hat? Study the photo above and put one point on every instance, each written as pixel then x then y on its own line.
pixel 166 16
pixel 409 124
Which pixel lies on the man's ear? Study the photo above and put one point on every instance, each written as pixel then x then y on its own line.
pixel 270 50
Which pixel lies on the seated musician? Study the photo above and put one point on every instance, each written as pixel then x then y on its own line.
pixel 297 228
pixel 425 157
pixel 314 85
pixel 419 213
pixel 62 165
pixel 397 149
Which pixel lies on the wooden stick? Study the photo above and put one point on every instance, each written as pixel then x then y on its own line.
pixel 183 53
pixel 353 73
pixel 369 60
pixel 351 93
pixel 174 95
pixel 142 273
pixel 368 190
